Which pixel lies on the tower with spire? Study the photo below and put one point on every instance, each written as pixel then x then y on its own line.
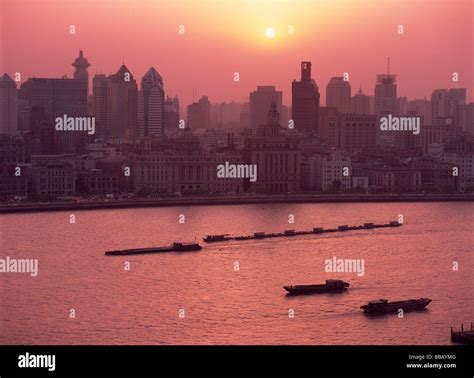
pixel 81 65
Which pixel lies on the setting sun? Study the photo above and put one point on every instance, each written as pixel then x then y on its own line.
pixel 270 32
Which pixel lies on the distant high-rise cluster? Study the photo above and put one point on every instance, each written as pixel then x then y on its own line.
pixel 199 114
pixel 340 146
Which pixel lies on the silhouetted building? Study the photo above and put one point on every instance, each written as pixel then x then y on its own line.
pixel 98 181
pixel 349 132
pixel 122 105
pixel 445 103
pixel 12 185
pixel 42 139
pixel 421 107
pixel 276 156
pixel 199 114
pixel 397 178
pixel 171 116
pixel 225 115
pixel 53 180
pixel 245 116
pixel 12 149
pixel 8 106
pixel 338 95
pixel 80 69
pixel 151 105
pixel 100 105
pixel 466 118
pixel 180 165
pixel 260 102
pixel 360 103
pixel 326 171
pixel 59 98
pixel 385 95
pixel 305 101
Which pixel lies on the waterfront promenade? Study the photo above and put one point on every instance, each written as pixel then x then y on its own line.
pixel 234 199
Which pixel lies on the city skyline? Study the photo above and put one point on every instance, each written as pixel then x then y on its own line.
pixel 245 49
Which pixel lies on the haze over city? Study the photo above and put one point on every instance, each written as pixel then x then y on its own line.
pixel 221 38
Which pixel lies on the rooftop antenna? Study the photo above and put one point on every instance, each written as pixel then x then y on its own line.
pixel 388 66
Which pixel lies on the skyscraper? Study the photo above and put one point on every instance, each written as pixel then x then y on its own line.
pixel 151 105
pixel 305 101
pixel 385 95
pixel 338 94
pixel 260 102
pixel 171 115
pixel 80 69
pixel 100 98
pixel 8 105
pixel 59 98
pixel 445 103
pixel 199 114
pixel 122 105
pixel 360 103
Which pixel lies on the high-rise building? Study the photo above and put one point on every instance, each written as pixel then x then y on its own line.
pixel 100 97
pixel 421 107
pixel 360 103
pixel 8 106
pixel 171 115
pixel 61 97
pixel 245 116
pixel 80 69
pixel 260 102
pixel 466 117
pixel 199 114
pixel 151 105
pixel 338 94
pixel 305 101
pixel 445 103
pixel 385 95
pixel 122 105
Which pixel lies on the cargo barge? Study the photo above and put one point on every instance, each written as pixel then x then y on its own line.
pixel 330 286
pixel 383 306
pixel 290 233
pixel 175 247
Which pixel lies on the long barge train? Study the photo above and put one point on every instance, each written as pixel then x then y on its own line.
pixel 290 233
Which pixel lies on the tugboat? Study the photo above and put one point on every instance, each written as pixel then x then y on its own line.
pixel 217 238
pixel 328 287
pixel 175 247
pixel 383 306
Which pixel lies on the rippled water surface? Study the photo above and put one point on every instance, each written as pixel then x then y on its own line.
pixel 223 305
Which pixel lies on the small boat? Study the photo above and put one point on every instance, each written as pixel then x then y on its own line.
pixel 383 306
pixel 329 286
pixel 175 247
pixel 217 238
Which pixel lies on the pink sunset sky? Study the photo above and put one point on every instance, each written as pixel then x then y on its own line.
pixel 223 37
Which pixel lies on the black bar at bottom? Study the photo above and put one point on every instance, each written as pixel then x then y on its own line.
pixel 291 361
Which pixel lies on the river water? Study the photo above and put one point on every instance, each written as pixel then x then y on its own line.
pixel 231 293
